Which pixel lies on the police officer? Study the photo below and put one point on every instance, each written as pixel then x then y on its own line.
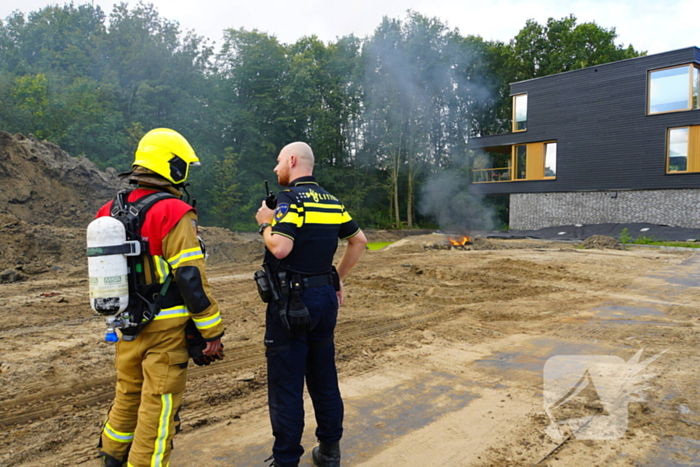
pixel 152 367
pixel 301 237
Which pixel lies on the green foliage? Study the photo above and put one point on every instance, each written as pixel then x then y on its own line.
pixel 385 115
pixel 627 239
pixel 224 190
pixel 562 45
pixel 668 244
pixel 625 236
pixel 30 96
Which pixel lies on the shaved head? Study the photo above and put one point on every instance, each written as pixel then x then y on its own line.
pixel 295 160
pixel 303 152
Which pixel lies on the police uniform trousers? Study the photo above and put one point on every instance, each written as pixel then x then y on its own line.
pixel 290 360
pixel 151 378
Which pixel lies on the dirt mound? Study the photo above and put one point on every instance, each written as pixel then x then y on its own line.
pixel 225 246
pixel 393 235
pixel 42 184
pixel 38 248
pixel 47 199
pixel 601 242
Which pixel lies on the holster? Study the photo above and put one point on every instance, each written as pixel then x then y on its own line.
pixel 262 281
pixel 269 284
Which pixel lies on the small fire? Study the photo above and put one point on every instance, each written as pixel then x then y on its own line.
pixel 462 242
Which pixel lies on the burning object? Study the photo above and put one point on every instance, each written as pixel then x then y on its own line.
pixel 457 242
pixel 464 241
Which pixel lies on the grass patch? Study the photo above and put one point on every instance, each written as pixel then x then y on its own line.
pixel 645 241
pixel 377 245
pixel 626 239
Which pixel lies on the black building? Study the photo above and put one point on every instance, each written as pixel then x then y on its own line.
pixel 618 142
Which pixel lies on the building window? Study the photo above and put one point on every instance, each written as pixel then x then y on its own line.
pixel 531 161
pixel 550 160
pixel 520 164
pixel 677 151
pixel 520 112
pixel 696 87
pixel 673 89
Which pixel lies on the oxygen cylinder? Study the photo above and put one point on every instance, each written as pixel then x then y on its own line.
pixel 107 272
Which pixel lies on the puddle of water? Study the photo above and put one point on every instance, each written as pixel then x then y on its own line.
pixel 532 357
pixel 373 421
pixel 634 322
pixel 618 311
pixel 689 280
pixel 394 413
pixel 675 451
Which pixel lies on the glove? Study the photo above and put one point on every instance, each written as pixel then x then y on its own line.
pixel 196 345
pixel 203 360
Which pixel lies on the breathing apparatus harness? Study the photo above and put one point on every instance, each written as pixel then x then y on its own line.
pixel 143 300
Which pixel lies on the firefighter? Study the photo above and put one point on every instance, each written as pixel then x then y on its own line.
pixel 301 237
pixel 152 364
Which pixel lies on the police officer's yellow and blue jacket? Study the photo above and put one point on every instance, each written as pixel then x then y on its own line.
pixel 314 219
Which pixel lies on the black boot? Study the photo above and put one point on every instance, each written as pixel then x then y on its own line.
pixel 109 461
pixel 327 455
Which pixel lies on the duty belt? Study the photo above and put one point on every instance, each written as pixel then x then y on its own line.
pixel 303 282
pixel 316 281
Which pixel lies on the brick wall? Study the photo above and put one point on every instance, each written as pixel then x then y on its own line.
pixel 681 208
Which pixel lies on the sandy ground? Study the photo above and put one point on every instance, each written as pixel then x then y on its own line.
pixel 442 357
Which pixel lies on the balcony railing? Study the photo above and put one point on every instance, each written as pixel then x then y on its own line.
pixel 494 174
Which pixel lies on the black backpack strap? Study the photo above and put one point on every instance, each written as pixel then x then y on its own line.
pixel 143 204
pixel 136 216
pixel 133 215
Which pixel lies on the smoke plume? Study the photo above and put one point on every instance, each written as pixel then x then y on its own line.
pixel 445 198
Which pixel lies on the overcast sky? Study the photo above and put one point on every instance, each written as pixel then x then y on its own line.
pixel 652 25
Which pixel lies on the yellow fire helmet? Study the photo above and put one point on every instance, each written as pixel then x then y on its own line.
pixel 167 153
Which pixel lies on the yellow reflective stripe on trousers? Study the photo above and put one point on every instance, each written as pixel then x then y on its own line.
pixel 186 255
pixel 163 430
pixel 174 312
pixel 208 322
pixel 118 436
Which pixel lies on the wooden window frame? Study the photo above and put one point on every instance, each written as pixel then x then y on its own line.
pixel 691 88
pixel 515 123
pixel 514 162
pixel 693 155
pixel 544 159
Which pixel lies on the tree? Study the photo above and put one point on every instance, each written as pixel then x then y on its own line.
pixel 412 111
pixel 224 191
pixel 384 62
pixel 562 45
pixel 60 40
pixel 30 96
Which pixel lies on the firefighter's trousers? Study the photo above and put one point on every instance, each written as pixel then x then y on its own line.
pixel 151 377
